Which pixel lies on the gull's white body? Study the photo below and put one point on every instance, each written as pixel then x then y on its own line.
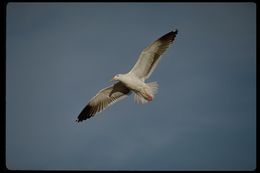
pixel 143 91
pixel 133 81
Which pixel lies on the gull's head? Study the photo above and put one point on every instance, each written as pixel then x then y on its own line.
pixel 116 77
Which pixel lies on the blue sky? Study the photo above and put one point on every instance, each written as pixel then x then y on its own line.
pixel 58 55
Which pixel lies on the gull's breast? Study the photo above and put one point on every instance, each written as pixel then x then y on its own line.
pixel 134 83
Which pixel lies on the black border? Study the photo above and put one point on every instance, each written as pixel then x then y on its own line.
pixel 3 11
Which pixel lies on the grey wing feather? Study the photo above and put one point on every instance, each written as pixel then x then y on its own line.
pixel 103 99
pixel 150 56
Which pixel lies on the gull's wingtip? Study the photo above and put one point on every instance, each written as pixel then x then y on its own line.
pixel 175 31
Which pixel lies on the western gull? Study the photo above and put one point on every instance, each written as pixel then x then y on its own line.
pixel 133 81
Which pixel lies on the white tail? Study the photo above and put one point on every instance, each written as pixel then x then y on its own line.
pixel 151 90
pixel 153 87
pixel 139 98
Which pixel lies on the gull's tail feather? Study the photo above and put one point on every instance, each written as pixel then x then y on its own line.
pixel 139 99
pixel 153 86
pixel 148 95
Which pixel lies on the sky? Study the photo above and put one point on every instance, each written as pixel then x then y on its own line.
pixel 59 55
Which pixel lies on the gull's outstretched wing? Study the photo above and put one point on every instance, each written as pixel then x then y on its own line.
pixel 150 56
pixel 103 99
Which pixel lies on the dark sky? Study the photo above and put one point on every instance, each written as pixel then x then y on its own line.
pixel 58 55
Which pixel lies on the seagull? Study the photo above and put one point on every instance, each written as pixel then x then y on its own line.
pixel 133 81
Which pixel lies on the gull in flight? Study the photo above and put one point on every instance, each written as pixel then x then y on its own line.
pixel 133 81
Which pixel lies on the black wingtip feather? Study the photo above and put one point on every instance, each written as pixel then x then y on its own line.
pixel 175 32
pixel 172 35
pixel 86 113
